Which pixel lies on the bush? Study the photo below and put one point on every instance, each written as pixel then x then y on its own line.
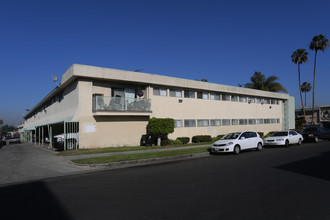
pixel 214 139
pixel 184 140
pixel 165 142
pixel 201 138
pixel 170 142
pixel 160 126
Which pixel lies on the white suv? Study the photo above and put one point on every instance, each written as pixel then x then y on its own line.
pixel 237 141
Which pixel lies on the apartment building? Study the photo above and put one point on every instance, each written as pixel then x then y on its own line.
pixel 109 108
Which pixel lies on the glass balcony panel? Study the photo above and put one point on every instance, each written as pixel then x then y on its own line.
pixel 107 103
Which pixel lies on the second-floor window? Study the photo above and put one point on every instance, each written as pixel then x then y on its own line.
pixel 160 91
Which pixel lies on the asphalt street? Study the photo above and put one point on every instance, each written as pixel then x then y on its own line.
pixel 276 183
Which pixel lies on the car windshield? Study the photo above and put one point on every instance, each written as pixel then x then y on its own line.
pixel 229 136
pixel 281 133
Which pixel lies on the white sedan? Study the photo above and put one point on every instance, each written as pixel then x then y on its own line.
pixel 237 141
pixel 284 138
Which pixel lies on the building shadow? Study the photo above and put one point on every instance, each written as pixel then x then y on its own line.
pixel 30 201
pixel 314 167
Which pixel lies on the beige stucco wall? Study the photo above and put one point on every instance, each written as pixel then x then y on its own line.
pixel 58 111
pixel 105 131
pixel 193 108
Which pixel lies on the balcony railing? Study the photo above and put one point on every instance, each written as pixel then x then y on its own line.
pixel 119 104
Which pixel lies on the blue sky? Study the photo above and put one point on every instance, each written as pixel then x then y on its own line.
pixel 222 41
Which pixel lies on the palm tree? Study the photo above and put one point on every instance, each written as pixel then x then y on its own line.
pixel 298 57
pixel 319 42
pixel 259 81
pixel 306 87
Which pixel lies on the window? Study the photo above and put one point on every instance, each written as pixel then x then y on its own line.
pixel 189 94
pixel 252 121
pixel 214 96
pixel 175 93
pixel 225 97
pixel 243 121
pixel 190 123
pixel 278 121
pixel 273 101
pixel 266 101
pixel 258 100
pixel 215 122
pixel 178 123
pixel 251 100
pixel 234 121
pixel 202 95
pixel 266 121
pixel 202 122
pixel 260 121
pixel 243 99
pixel 273 120
pixel 225 122
pixel 293 133
pixel 234 98
pixel 160 91
pixel 252 134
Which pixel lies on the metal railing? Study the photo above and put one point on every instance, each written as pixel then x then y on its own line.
pixel 107 103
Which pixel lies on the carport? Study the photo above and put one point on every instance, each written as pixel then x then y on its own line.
pixel 45 134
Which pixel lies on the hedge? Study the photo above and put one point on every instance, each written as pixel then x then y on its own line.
pixel 201 138
pixel 184 140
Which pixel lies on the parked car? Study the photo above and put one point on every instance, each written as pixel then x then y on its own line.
pixel 14 140
pixel 237 141
pixel 284 138
pixel 72 141
pixel 315 133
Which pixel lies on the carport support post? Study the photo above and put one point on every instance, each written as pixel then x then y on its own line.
pixel 42 131
pixel 39 135
pixel 50 136
pixel 64 136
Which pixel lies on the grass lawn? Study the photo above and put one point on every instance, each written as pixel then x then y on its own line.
pixel 119 149
pixel 118 158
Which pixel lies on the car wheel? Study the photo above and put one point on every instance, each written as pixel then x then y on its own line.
pixel 259 147
pixel 299 142
pixel 316 139
pixel 237 149
pixel 286 143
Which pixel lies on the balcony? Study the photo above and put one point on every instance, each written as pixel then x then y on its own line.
pixel 106 105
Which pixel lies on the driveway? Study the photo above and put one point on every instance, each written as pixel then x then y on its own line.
pixel 24 162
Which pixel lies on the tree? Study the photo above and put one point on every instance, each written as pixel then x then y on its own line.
pixel 319 42
pixel 306 87
pixel 298 57
pixel 259 81
pixel 1 121
pixel 159 127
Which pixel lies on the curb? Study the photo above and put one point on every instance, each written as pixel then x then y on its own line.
pixel 143 162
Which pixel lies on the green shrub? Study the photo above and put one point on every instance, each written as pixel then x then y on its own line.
pixel 184 140
pixel 201 138
pixel 175 142
pixel 160 126
pixel 261 134
pixel 167 141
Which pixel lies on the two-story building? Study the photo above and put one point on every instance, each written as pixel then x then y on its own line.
pixel 109 107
